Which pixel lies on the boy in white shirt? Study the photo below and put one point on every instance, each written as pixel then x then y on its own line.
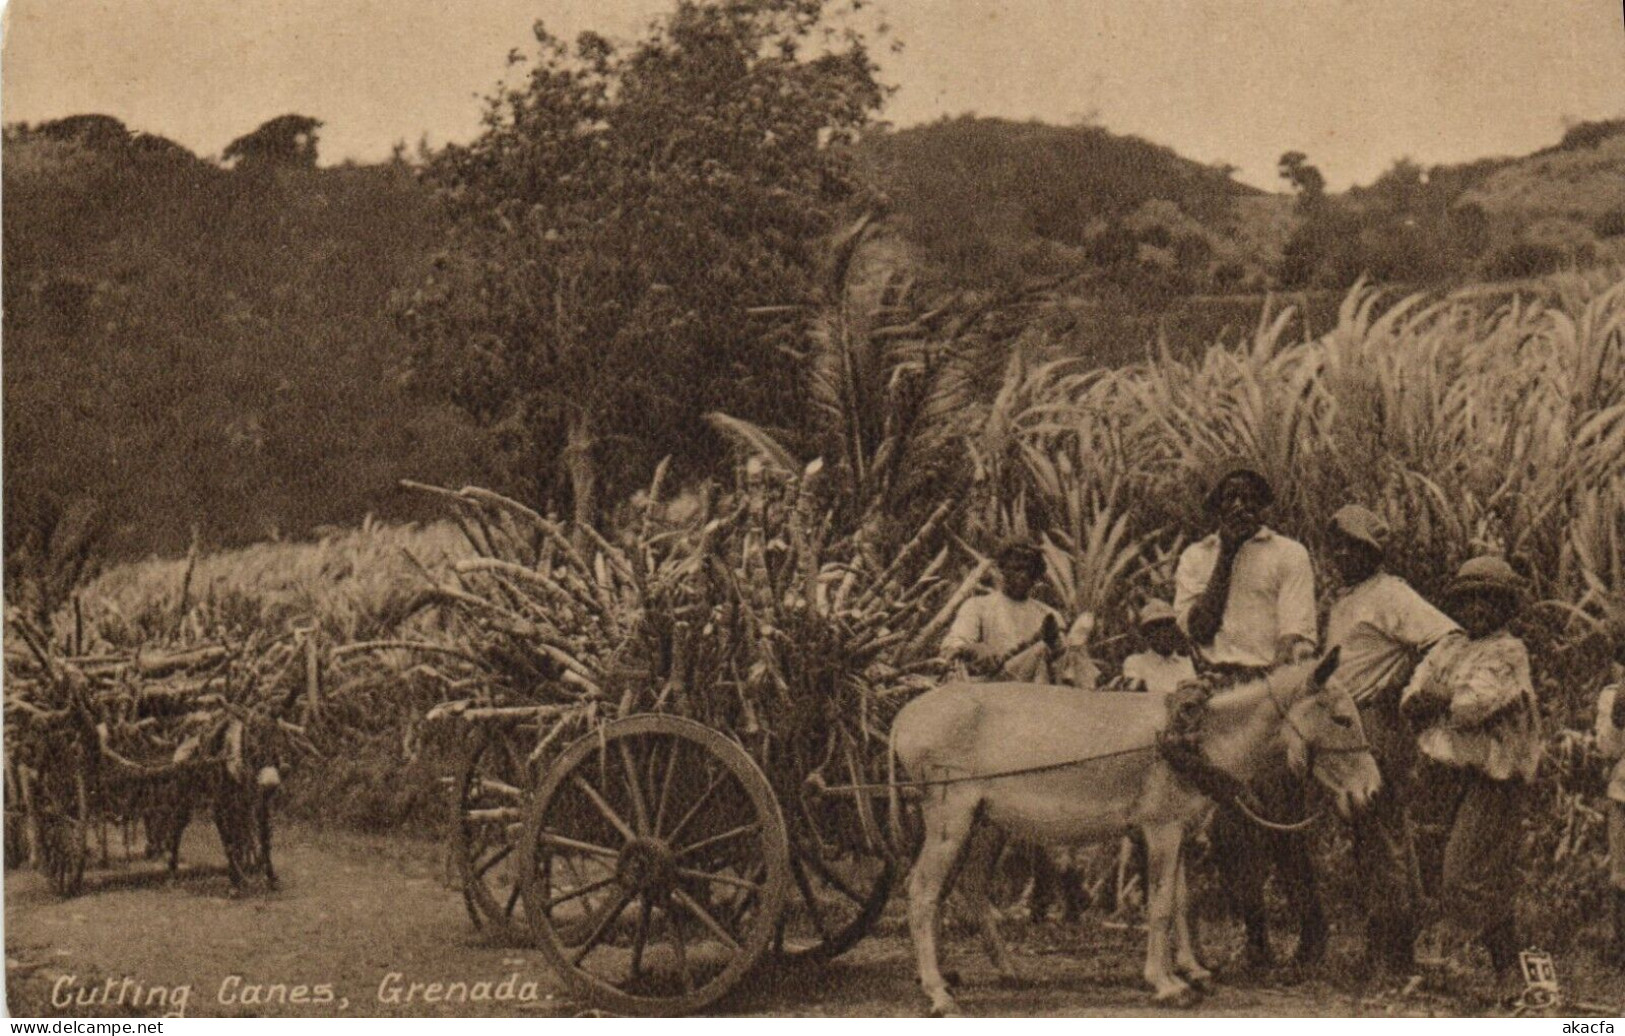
pixel 988 629
pixel 1611 743
pixel 1165 664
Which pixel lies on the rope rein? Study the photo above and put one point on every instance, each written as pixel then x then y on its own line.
pixel 1240 802
pixel 1024 771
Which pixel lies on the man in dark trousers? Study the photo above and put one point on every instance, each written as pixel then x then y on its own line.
pixel 1245 595
pixel 1381 629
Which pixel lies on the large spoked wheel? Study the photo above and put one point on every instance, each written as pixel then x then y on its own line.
pixel 485 832
pixel 656 866
pixel 838 889
pixel 61 799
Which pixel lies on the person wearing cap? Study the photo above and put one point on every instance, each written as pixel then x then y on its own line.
pixel 1473 702
pixel 1164 664
pixel 1381 627
pixel 1245 597
pixel 1611 745
pixel 987 629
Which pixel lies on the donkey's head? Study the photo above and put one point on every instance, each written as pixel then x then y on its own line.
pixel 1323 733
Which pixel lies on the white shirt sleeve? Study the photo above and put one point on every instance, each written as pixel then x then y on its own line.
pixel 1134 667
pixel 1295 606
pixel 1415 622
pixel 965 630
pixel 1189 582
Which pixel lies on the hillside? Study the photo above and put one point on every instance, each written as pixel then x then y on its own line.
pixel 986 201
pixel 191 348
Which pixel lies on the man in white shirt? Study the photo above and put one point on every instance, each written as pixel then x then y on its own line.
pixel 1381 627
pixel 1245 596
pixel 1002 635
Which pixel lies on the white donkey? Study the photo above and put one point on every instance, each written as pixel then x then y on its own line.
pixel 962 731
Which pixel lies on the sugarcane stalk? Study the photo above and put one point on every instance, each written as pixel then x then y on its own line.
pixel 905 555
pixel 945 614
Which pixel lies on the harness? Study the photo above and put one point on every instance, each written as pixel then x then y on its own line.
pixel 1182 750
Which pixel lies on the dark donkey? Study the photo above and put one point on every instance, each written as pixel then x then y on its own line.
pixel 249 753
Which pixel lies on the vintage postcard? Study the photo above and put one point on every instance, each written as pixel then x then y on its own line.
pixel 840 508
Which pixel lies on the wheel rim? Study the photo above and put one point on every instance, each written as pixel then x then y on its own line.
pixel 835 900
pixel 656 865
pixel 485 832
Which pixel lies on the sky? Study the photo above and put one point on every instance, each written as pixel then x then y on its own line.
pixel 1355 84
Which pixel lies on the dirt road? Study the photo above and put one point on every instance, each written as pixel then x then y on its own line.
pixel 359 920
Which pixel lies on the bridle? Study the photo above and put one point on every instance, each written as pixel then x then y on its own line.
pixel 1308 744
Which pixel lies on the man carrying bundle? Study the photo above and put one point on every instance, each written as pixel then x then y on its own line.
pixel 1245 596
pixel 1382 627
pixel 1473 701
pixel 1007 634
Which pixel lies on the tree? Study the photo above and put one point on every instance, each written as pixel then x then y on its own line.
pixel 1294 168
pixel 621 215
pixel 287 140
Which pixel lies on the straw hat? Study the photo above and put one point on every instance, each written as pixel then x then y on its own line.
pixel 1358 523
pixel 1487 574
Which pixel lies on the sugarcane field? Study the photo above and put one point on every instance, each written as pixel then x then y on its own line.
pixel 814 508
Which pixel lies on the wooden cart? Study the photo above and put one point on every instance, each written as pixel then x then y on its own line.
pixel 87 754
pixel 653 862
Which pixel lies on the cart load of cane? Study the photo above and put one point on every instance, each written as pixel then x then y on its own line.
pixel 644 713
pixel 137 742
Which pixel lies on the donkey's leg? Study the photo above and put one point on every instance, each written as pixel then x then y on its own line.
pixel 1185 959
pixel 1244 861
pixel 948 823
pixel 1162 856
pixel 265 841
pixel 975 885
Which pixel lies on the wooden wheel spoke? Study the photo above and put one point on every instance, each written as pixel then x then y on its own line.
pixel 836 882
pixel 811 899
pixel 718 879
pixel 750 828
pixel 680 947
pixel 640 809
pixel 495 858
pixel 641 939
pixel 604 808
pixel 612 910
pixel 699 804
pixel 665 786
pixel 577 893
pixel 561 842
pixel 688 902
pixel 757 872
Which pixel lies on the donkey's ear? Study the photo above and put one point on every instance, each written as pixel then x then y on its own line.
pixel 1324 671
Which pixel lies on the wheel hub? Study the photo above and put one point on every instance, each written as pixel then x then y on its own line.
pixel 646 865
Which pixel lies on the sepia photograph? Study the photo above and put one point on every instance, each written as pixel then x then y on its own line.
pixel 813 508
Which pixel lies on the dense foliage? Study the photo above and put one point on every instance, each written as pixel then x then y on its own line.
pixel 622 214
pixel 196 351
